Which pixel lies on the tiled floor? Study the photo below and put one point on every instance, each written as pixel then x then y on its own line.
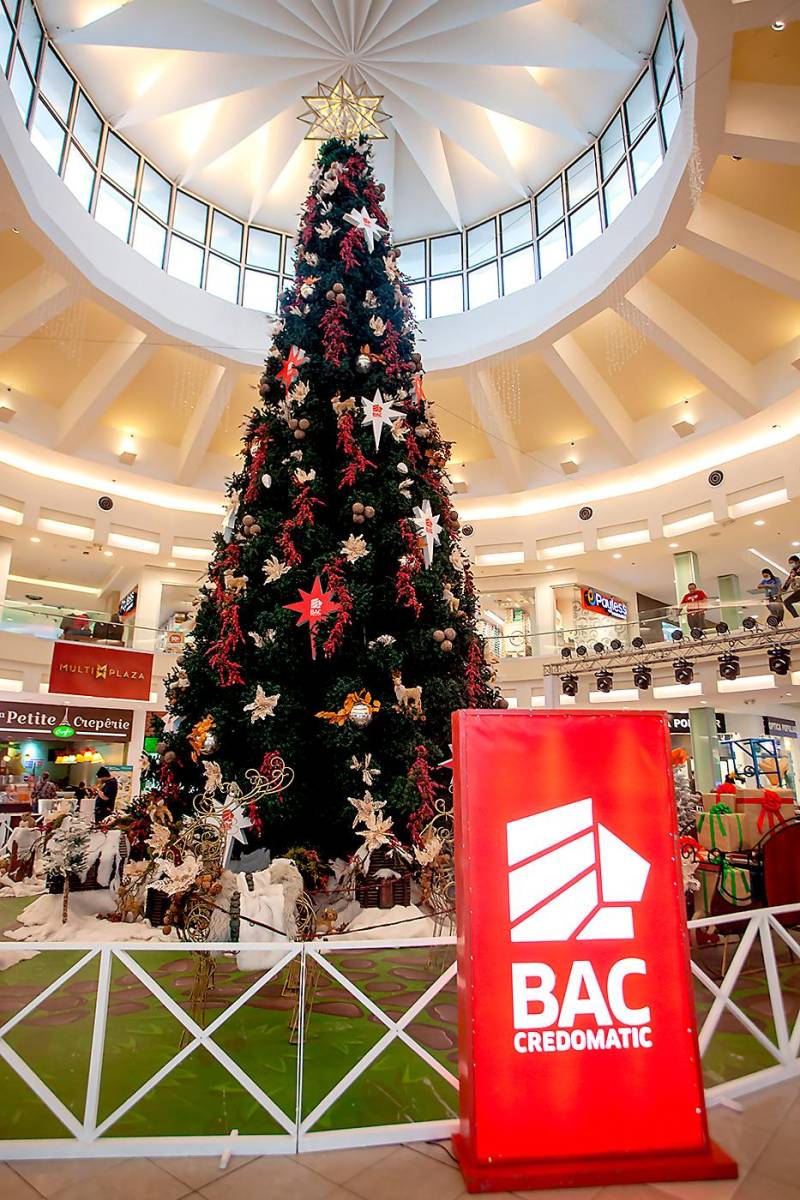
pixel 764 1138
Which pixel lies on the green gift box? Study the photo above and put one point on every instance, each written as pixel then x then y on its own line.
pixel 720 829
pixel 734 885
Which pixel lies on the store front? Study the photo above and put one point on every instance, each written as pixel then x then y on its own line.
pixel 507 622
pixel 587 616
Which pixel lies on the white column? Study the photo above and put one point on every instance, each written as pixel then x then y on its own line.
pixel 544 619
pixel 135 748
pixel 148 609
pixel 6 546
pixel 552 691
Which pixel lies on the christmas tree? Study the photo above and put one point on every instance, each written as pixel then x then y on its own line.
pixel 336 628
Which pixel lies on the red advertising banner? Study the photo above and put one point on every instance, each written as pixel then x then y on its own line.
pixel 82 669
pixel 578 1054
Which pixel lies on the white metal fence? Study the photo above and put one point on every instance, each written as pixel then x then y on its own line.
pixel 335 1012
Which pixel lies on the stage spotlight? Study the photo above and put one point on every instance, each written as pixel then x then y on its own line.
pixel 566 651
pixel 638 643
pixel 722 627
pixel 684 672
pixel 642 678
pixel 773 621
pixel 780 660
pixel 750 623
pixel 581 651
pixel 729 666
pixel 697 634
pixel 677 635
pixel 599 648
pixel 616 644
pixel 605 681
pixel 569 685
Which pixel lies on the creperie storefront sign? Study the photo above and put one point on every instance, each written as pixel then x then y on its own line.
pixel 573 956
pixel 601 602
pixel 19 719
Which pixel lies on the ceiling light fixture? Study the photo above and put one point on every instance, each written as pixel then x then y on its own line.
pixel 36 539
pixel 729 666
pixel 642 678
pixel 674 545
pixel 127 454
pixel 778 26
pixel 684 428
pixel 343 112
pixel 605 681
pixel 759 523
pixel 684 672
pixel 570 467
pixel 780 660
pixel 569 685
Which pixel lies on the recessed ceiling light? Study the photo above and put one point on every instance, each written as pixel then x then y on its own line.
pixel 616 556
pixel 35 539
pixel 779 26
pixel 674 545
pixel 759 522
pixel 796 543
pixel 170 564
pixel 14 229
pixel 549 567
pixel 108 553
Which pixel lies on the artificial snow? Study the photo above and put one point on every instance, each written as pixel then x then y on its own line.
pixel 386 924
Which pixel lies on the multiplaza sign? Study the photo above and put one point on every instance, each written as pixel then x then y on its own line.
pixel 573 956
pixel 612 606
pixel 82 669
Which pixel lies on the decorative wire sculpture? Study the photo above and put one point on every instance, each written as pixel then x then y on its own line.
pixel 438 878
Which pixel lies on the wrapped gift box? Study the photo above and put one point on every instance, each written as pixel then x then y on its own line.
pixel 763 812
pixel 721 829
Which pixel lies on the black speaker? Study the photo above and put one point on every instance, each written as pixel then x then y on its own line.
pixel 586 513
pixel 715 478
pixel 106 503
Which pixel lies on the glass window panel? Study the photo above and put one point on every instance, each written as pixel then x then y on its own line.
pixel 47 135
pixel 518 270
pixel 612 146
pixel 617 193
pixel 155 193
pixel 552 250
pixel 87 127
pixel 549 205
pixel 120 163
pixel 79 176
pixel 260 291
pixel 57 84
pixel 482 285
pixel 640 106
pixel 662 59
pixel 263 250
pixel 446 254
pixel 113 210
pixel 516 227
pixel 30 35
pixel 222 278
pixel 677 23
pixel 412 260
pixel 581 179
pixel 185 261
pixel 6 38
pixel 481 243
pixel 418 298
pixel 584 224
pixel 21 86
pixel 681 62
pixel 670 110
pixel 226 236
pixel 447 296
pixel 190 217
pixel 149 238
pixel 646 156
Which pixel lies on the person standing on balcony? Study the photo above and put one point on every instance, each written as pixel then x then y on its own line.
pixel 790 593
pixel 694 603
pixel 770 586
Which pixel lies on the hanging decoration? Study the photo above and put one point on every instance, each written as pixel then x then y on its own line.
pixel 313 607
pixel 429 529
pixel 350 702
pixel 342 111
pixel 197 739
pixel 290 371
pixel 262 705
pixel 378 413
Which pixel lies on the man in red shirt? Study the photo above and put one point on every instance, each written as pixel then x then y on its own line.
pixel 694 602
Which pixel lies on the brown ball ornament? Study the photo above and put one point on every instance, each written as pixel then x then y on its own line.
pixel 255 530
pixel 341 299
pixel 450 634
pixel 248 521
pixel 447 646
pixel 358 518
pixel 438 635
pixel 358 507
pixel 170 756
pixel 338 288
pixel 304 423
pixel 501 702
pixel 161 747
pixel 299 435
pixel 330 295
pixel 369 511
pixel 293 422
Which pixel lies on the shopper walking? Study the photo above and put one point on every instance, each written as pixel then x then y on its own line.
pixel 790 593
pixel 770 587
pixel 694 603
pixel 106 791
pixel 43 789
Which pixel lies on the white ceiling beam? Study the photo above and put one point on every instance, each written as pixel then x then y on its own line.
pixel 575 371
pixel 762 121
pixel 742 241
pixel 202 425
pixel 100 387
pixel 691 344
pixel 498 428
pixel 31 302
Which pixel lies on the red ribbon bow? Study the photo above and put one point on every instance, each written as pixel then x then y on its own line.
pixel 770 810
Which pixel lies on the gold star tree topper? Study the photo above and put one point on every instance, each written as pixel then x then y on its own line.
pixel 344 112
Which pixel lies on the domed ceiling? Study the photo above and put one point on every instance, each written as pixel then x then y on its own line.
pixel 488 98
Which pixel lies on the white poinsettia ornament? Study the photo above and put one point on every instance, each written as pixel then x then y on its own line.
pixel 274 568
pixel 368 773
pixel 377 325
pixel 324 230
pixel 262 705
pixel 372 229
pixel 429 529
pixel 378 413
pixel 366 808
pixel 354 547
pixel 213 776
pixel 377 831
pixel 302 476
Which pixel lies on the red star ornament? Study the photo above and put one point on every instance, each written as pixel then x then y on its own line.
pixel 313 607
pixel 289 372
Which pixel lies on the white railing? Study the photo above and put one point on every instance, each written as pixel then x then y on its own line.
pixel 308 1113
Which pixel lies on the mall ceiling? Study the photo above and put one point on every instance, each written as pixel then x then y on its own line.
pixel 210 90
pixel 707 335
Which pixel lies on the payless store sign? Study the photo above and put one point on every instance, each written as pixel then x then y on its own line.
pixel 87 670
pixel 573 956
pixel 602 603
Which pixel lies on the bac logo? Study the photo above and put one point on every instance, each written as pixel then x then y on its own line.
pixel 570 877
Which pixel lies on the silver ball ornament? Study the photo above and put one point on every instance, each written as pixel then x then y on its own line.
pixel 363 363
pixel 360 715
pixel 209 744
